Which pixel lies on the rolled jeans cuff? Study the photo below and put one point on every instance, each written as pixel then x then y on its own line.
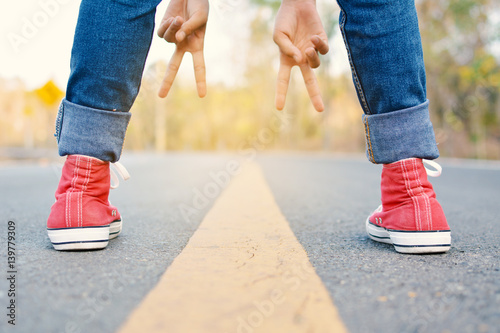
pixel 401 134
pixel 87 131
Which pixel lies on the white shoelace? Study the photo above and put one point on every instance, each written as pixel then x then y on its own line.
pixel 115 181
pixel 437 168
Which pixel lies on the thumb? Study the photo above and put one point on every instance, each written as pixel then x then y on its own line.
pixel 195 22
pixel 286 46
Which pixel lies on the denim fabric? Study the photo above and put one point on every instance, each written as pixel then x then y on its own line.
pixel 91 132
pixel 113 37
pixel 385 52
pixel 110 47
pixel 400 134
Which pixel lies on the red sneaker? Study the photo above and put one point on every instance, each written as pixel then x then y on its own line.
pixel 82 217
pixel 410 217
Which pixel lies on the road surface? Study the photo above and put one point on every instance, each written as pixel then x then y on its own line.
pixel 322 199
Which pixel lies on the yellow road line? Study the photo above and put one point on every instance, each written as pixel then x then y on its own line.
pixel 243 271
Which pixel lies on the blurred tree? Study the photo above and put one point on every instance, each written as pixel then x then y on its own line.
pixel 463 74
pixel 463 71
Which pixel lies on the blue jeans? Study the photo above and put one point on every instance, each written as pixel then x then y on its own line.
pixel 110 47
pixel 112 40
pixel 387 65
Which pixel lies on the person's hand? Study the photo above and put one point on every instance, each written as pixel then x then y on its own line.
pixel 184 24
pixel 299 34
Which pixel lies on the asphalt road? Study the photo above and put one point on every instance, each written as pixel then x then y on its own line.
pixel 326 199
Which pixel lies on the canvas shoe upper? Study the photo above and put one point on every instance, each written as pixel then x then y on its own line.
pixel 82 217
pixel 410 217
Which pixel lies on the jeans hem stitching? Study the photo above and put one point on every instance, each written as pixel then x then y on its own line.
pixel 368 141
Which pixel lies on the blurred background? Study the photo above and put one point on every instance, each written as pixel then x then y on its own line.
pixel 461 41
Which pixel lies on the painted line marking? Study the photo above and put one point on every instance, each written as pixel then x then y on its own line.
pixel 242 271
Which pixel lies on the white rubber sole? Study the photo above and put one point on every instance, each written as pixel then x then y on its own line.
pixel 84 238
pixel 115 228
pixel 416 242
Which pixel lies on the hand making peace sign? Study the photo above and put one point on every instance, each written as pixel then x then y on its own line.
pixel 184 24
pixel 299 34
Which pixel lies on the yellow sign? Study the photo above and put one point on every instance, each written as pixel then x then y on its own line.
pixel 50 93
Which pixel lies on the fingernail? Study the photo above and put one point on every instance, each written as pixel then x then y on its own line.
pixel 181 37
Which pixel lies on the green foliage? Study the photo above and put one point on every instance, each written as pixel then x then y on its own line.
pixel 463 75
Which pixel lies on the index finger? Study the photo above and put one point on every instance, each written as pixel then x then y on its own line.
pixel 172 68
pixel 199 73
pixel 282 82
pixel 312 87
